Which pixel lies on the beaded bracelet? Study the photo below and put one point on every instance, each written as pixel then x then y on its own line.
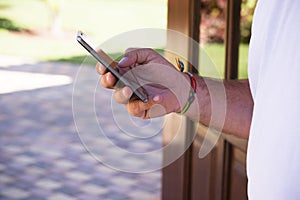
pixel 192 94
pixel 193 89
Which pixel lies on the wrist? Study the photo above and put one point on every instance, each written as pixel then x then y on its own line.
pixel 183 92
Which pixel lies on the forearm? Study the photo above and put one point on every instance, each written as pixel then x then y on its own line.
pixel 225 105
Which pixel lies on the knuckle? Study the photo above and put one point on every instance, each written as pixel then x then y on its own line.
pixel 106 81
pixel 134 109
pixel 119 98
pixel 128 50
pixel 100 69
pixel 103 81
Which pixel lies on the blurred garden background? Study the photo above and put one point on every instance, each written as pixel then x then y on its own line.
pixel 41 155
pixel 45 29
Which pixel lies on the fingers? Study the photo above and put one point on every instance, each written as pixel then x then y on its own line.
pixel 137 108
pixel 131 58
pixel 108 80
pixel 122 95
pixel 100 69
pixel 145 110
pixel 148 61
pixel 134 56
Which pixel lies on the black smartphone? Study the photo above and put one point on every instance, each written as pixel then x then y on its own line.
pixel 107 62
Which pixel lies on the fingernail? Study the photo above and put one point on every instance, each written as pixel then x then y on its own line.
pixel 156 98
pixel 127 92
pixel 101 69
pixel 122 60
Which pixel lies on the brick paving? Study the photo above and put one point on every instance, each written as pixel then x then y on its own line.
pixel 42 156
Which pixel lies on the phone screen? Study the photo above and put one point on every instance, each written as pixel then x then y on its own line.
pixel 107 62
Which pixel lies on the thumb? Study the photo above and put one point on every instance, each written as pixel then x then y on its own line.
pixel 137 56
pixel 126 62
pixel 129 59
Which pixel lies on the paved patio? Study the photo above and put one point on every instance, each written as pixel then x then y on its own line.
pixel 42 155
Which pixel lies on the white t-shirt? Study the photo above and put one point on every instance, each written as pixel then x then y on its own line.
pixel 273 162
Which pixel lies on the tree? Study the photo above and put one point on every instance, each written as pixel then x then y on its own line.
pixel 55 11
pixel 213 23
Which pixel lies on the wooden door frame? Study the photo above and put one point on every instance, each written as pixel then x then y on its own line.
pixel 178 181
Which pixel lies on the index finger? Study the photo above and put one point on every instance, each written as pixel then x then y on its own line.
pixel 100 68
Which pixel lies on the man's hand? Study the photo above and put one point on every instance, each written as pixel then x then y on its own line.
pixel 166 86
pixel 168 90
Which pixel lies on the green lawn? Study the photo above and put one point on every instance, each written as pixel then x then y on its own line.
pixel 101 19
pixel 216 53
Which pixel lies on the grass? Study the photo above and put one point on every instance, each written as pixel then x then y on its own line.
pixel 101 19
pixel 24 28
pixel 216 54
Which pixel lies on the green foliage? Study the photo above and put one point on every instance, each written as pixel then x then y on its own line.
pixel 247 11
pixel 5 22
pixel 216 53
pixel 100 19
pixel 213 22
pixel 9 25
